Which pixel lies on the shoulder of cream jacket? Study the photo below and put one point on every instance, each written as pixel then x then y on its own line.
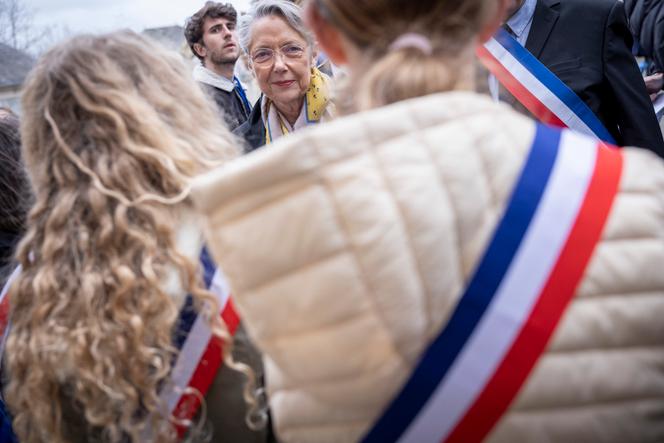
pixel 348 245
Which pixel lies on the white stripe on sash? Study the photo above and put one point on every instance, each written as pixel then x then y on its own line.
pixel 194 346
pixel 516 296
pixel 537 88
pixel 10 280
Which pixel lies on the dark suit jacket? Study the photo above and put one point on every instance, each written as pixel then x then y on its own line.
pixel 587 44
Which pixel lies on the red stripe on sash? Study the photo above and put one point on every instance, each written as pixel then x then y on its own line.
pixel 206 370
pixel 523 95
pixel 4 314
pixel 559 290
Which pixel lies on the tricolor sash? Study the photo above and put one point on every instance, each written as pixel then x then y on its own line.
pixel 527 276
pixel 537 88
pixel 200 355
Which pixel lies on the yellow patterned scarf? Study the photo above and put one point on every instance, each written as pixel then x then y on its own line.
pixel 316 101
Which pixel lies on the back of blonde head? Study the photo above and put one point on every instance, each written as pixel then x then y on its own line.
pixel 390 76
pixel 113 129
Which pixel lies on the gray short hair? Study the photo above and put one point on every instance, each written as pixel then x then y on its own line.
pixel 287 10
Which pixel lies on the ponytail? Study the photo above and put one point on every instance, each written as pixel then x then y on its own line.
pixel 403 74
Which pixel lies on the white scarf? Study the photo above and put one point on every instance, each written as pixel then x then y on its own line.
pixel 204 75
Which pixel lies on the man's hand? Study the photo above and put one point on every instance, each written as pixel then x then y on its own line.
pixel 654 83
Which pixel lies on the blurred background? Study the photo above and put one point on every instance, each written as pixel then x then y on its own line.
pixel 30 27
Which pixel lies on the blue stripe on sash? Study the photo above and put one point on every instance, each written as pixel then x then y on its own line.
pixel 209 267
pixel 560 89
pixel 188 313
pixel 6 432
pixel 442 353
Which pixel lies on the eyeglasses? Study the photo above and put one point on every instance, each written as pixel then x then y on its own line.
pixel 264 56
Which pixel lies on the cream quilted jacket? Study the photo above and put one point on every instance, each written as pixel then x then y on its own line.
pixel 348 245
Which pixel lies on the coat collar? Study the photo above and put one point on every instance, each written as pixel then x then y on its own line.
pixel 546 16
pixel 204 75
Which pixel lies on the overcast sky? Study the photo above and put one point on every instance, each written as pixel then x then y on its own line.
pixel 107 15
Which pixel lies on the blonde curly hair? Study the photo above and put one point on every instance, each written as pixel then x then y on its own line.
pixel 113 130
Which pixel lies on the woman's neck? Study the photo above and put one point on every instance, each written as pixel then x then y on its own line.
pixel 290 110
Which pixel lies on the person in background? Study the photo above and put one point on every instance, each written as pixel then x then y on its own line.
pixel 6 112
pixel 15 194
pixel 283 57
pixel 587 45
pixel 654 82
pixel 646 21
pixel 110 263
pixel 210 33
pixel 352 245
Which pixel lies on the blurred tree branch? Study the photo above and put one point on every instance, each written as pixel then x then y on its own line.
pixel 18 29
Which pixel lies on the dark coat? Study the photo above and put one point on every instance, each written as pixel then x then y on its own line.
pixel 230 105
pixel 587 44
pixel 226 406
pixel 646 20
pixel 6 433
pixel 253 130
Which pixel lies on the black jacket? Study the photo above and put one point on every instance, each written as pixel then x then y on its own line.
pixel 646 20
pixel 253 130
pixel 230 105
pixel 587 44
pixel 8 242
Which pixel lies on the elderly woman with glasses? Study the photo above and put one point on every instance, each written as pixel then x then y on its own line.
pixel 282 56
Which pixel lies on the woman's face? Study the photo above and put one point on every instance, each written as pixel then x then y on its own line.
pixel 281 60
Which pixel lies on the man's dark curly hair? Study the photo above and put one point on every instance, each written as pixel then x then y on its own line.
pixel 193 28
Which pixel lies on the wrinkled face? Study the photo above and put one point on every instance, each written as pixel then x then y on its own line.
pixel 220 45
pixel 281 60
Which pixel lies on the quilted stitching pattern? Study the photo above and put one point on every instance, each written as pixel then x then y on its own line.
pixel 348 245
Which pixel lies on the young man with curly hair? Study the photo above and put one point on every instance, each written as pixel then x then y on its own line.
pixel 210 33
